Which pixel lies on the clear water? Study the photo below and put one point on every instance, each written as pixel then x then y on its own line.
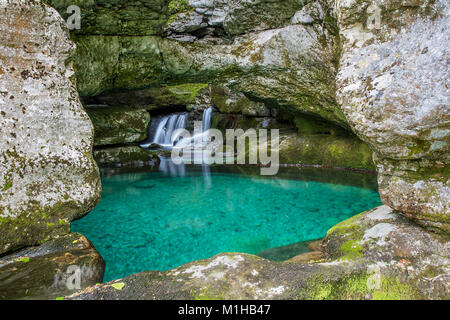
pixel 154 221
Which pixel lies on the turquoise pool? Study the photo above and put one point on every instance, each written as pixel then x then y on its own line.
pixel 153 220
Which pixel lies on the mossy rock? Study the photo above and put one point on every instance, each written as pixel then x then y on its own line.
pixel 125 156
pixel 49 271
pixel 118 125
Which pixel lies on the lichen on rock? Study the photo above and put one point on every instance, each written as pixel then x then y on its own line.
pixel 393 90
pixel 48 176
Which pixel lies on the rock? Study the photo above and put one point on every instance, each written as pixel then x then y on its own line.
pixel 125 156
pixel 168 98
pixel 392 87
pixel 97 63
pixel 118 125
pixel 375 255
pixel 236 102
pixel 140 63
pixel 246 16
pixel 316 246
pixel 110 62
pixel 292 67
pixel 326 150
pixel 126 18
pixel 307 257
pixel 48 176
pixel 285 252
pixel 57 268
pixel 193 15
pixel 310 13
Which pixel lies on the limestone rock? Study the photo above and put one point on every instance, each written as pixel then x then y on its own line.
pixel 307 257
pixel 292 66
pixel 125 156
pixel 48 176
pixel 311 13
pixel 236 102
pixel 393 89
pixel 155 98
pixel 57 268
pixel 246 16
pixel 118 125
pixel 106 17
pixel 96 63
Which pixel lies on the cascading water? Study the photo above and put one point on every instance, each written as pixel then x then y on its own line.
pixel 206 121
pixel 161 133
pixel 163 127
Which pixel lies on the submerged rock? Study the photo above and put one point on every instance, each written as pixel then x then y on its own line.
pixel 47 176
pixel 57 268
pixel 285 252
pixel 393 89
pixel 375 255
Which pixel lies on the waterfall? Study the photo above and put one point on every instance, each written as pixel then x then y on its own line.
pixel 163 127
pixel 206 121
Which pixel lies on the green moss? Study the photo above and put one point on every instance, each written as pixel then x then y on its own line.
pixel 186 93
pixel 355 287
pixel 394 289
pixel 334 149
pixel 178 6
pixel 351 250
pixel 347 226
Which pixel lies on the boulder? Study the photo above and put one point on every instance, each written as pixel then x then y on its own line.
pixel 393 90
pixel 236 102
pixel 48 176
pixel 344 151
pixel 56 268
pixel 234 17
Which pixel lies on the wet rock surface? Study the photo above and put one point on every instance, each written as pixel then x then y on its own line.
pixel 57 268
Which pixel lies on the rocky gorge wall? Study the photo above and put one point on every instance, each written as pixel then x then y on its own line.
pixel 48 176
pixel 324 71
